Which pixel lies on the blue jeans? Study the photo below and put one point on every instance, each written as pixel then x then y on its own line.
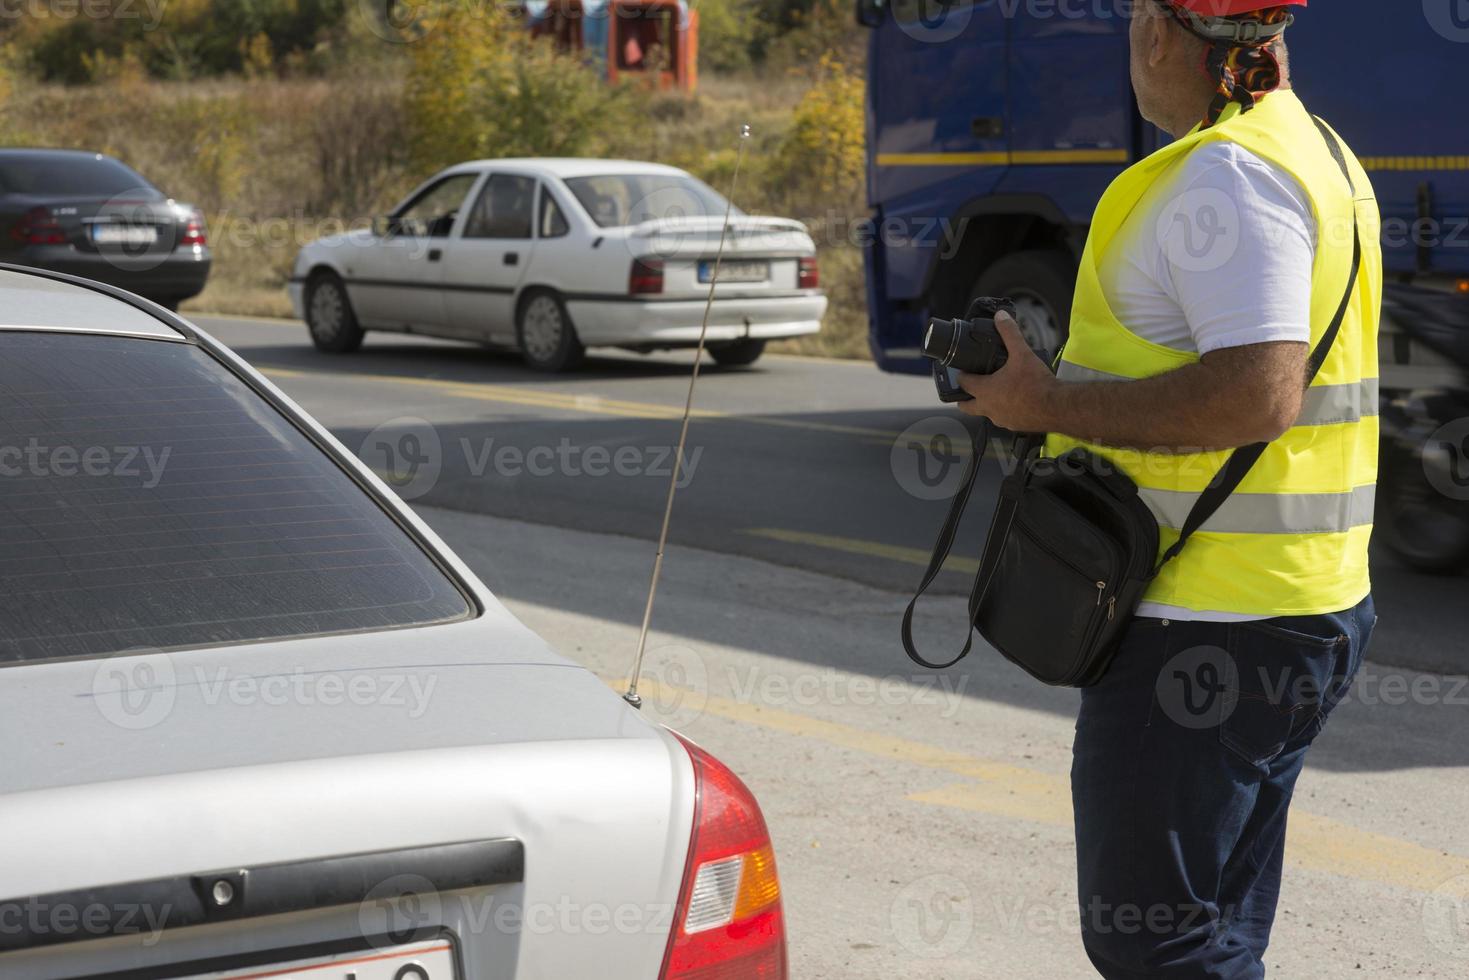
pixel 1186 756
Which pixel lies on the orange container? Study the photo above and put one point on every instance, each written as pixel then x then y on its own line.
pixel 649 39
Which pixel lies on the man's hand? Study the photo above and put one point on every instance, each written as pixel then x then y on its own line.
pixel 1020 395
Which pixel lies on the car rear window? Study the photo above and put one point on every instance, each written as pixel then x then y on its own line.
pixel 71 176
pixel 619 200
pixel 150 499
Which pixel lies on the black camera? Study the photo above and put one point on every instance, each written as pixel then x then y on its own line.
pixel 973 346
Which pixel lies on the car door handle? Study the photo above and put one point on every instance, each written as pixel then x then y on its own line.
pixel 512 258
pixel 434 254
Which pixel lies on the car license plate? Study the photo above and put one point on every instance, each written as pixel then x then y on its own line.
pixel 432 960
pixel 735 271
pixel 124 234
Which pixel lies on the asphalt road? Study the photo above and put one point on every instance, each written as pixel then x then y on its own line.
pixel 826 466
pixel 922 821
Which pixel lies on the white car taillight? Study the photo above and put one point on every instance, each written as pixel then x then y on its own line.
pixel 808 274
pixel 729 924
pixel 646 278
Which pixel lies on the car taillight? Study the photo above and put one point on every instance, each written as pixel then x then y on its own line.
pixel 808 274
pixel 728 924
pixel 194 231
pixel 646 277
pixel 38 226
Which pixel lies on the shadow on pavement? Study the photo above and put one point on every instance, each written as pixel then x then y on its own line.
pixel 845 488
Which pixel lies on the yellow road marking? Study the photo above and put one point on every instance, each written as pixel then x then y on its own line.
pixel 857 546
pixel 587 404
pixel 1315 842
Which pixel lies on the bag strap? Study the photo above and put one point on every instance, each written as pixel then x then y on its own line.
pixel 947 533
pixel 1239 464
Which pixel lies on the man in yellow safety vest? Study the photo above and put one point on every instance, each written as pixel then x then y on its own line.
pixel 1212 270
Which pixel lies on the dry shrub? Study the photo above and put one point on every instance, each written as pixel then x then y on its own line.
pixel 823 156
pixel 479 86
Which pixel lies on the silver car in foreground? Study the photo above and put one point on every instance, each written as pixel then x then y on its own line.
pixel 262 723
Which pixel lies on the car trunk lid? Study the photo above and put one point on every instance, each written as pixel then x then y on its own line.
pixel 761 254
pixel 288 754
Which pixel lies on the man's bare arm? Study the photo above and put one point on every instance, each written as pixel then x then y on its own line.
pixel 1232 397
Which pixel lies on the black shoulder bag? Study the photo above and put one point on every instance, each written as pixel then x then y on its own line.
pixel 1072 546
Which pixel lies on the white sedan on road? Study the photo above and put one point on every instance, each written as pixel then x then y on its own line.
pixel 552 256
pixel 264 723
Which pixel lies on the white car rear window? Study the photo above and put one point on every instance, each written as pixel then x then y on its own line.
pixel 620 200
pixel 149 498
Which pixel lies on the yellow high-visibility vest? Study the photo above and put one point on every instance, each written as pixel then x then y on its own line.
pixel 1292 540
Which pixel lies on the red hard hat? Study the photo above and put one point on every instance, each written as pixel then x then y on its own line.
pixel 1232 8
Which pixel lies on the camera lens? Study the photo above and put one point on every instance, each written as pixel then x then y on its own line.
pixel 940 341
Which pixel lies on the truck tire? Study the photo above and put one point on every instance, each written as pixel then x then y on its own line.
pixel 1041 283
pixel 1427 531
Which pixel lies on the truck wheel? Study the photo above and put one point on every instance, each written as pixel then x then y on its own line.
pixel 329 317
pixel 1427 531
pixel 545 334
pixel 738 353
pixel 1041 283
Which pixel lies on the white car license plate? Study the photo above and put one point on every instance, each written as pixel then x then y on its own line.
pixel 735 271
pixel 124 234
pixel 432 960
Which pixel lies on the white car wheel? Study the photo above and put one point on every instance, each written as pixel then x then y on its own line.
pixel 546 336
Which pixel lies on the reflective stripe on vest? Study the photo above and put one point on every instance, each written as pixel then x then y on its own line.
pixel 1270 513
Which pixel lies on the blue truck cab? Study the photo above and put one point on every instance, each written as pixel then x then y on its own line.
pixel 994 126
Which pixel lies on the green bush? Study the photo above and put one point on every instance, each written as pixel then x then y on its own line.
pixel 728 33
pixel 479 86
pixel 59 42
pixel 823 156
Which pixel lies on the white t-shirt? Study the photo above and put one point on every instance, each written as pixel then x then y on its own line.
pixel 1223 258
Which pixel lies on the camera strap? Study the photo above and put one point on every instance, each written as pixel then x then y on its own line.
pixel 1224 483
pixel 947 533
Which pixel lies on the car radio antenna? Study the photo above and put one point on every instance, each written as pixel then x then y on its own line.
pixel 632 697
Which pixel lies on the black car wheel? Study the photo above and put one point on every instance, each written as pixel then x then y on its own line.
pixel 329 315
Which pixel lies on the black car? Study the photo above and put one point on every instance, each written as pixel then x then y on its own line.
pixel 90 215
